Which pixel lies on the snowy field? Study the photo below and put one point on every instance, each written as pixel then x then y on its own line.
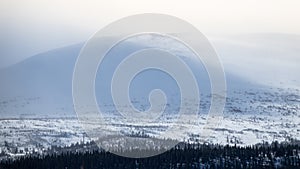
pixel 256 117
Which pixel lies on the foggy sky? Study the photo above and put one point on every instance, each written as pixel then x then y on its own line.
pixel 29 27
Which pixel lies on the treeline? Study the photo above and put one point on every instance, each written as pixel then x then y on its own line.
pixel 184 155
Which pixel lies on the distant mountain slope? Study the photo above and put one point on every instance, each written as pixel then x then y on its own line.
pixel 42 85
pixel 268 58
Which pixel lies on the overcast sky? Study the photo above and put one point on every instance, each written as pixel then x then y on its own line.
pixel 29 27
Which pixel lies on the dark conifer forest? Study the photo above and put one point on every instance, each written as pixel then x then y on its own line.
pixel 184 155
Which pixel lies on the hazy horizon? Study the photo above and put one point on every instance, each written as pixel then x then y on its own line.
pixel 32 27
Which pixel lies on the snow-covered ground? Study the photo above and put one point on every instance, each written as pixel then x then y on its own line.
pixel 22 136
pixel 258 116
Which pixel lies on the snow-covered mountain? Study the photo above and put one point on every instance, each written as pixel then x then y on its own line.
pixel 268 58
pixel 42 85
